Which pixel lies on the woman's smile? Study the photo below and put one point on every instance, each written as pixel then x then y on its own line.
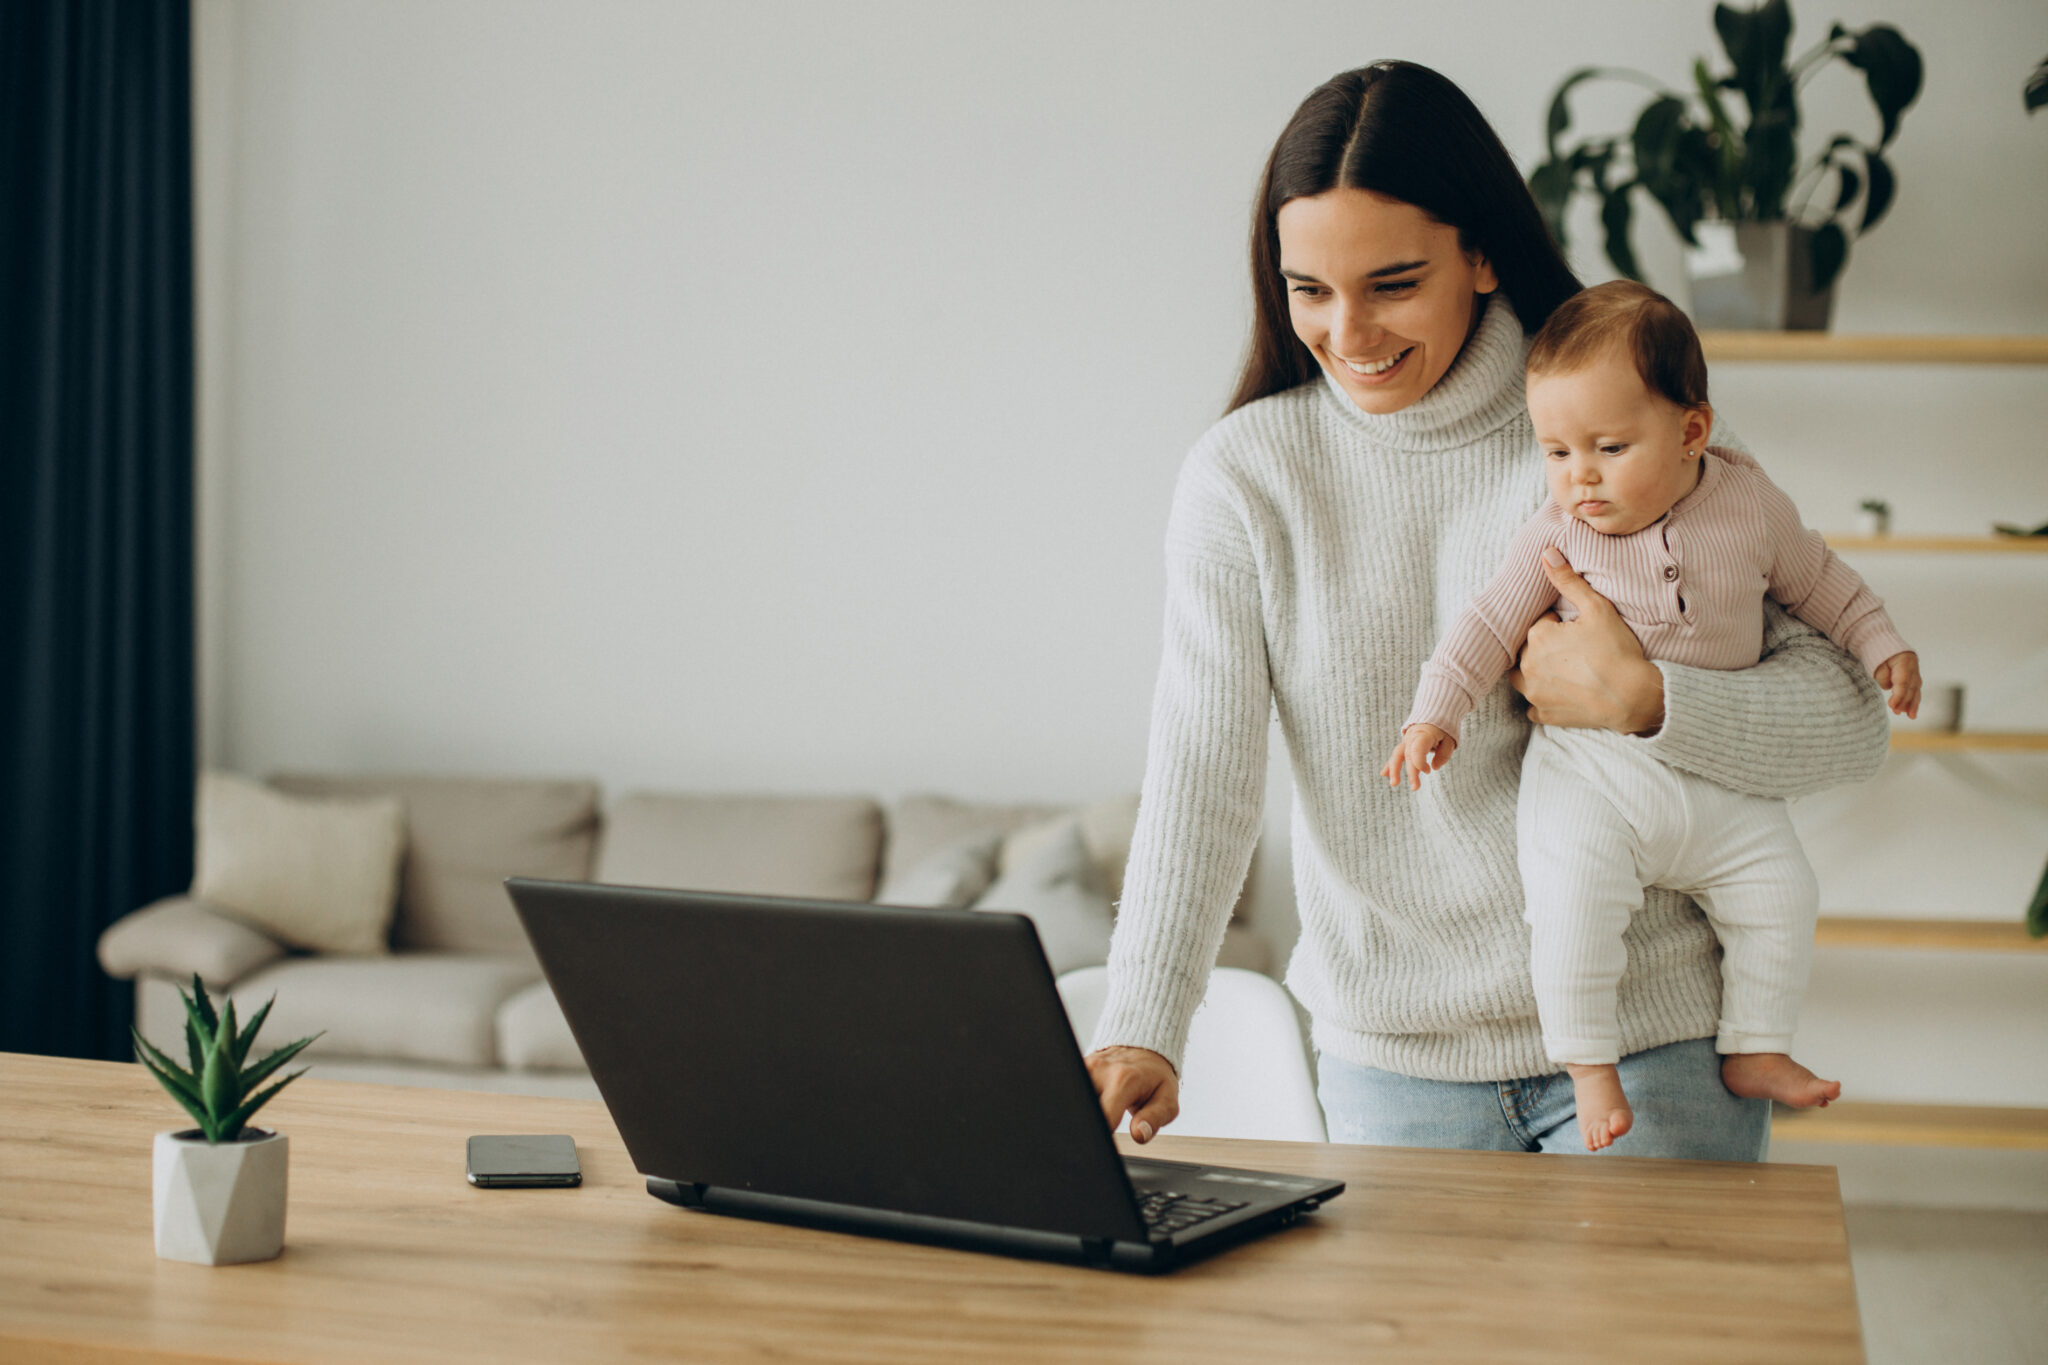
pixel 1379 370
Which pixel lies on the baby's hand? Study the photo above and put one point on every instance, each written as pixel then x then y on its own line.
pixel 1900 676
pixel 1418 744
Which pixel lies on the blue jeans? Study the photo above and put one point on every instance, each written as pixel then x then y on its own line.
pixel 1681 1109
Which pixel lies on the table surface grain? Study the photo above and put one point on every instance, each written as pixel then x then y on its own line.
pixel 390 1255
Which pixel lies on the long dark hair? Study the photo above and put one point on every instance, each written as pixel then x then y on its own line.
pixel 1406 132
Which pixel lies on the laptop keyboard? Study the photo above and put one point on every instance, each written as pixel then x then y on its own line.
pixel 1170 1211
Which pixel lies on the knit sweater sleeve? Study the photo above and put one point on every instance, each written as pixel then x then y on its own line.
pixel 1807 717
pixel 1205 773
pixel 1483 642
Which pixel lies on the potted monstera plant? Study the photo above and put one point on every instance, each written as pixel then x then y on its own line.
pixel 1766 232
pixel 219 1187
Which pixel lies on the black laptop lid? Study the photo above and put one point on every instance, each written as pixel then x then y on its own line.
pixel 911 1060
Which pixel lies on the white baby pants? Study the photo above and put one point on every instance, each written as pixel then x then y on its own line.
pixel 1598 821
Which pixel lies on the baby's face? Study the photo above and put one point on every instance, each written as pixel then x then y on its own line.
pixel 1615 455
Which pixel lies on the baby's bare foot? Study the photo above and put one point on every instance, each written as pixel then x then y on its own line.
pixel 1604 1114
pixel 1774 1076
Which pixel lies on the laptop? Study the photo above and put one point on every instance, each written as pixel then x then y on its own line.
pixel 863 1068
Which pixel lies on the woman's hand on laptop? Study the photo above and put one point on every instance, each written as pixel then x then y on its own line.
pixel 1137 1081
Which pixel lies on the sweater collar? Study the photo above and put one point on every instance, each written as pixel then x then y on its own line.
pixel 1478 395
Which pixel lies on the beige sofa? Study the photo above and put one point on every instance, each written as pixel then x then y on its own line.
pixel 459 999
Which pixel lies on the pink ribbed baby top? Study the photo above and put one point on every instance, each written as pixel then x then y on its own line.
pixel 1691 585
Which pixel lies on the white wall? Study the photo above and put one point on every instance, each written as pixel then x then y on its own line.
pixel 787 396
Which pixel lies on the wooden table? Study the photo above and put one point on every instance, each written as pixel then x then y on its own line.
pixel 391 1256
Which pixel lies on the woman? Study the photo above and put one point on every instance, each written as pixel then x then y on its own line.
pixel 1374 462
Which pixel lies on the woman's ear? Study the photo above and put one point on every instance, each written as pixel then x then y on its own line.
pixel 1484 281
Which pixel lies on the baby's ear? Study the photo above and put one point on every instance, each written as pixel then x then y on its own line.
pixel 1699 425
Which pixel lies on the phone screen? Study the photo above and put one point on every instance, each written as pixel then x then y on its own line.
pixel 523 1160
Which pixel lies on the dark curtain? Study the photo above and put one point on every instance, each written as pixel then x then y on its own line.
pixel 96 431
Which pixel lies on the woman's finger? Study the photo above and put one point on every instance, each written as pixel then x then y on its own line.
pixel 1571 587
pixel 1158 1110
pixel 1117 1096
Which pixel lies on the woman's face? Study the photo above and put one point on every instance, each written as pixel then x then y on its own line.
pixel 1380 292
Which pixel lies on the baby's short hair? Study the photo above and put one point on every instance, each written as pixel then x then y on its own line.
pixel 1641 323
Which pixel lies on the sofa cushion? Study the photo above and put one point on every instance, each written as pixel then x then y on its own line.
pixel 951 879
pixel 534 1036
pixel 178 937
pixel 318 872
pixel 465 836
pixel 412 1007
pixel 1106 828
pixel 1056 886
pixel 828 847
pixel 920 826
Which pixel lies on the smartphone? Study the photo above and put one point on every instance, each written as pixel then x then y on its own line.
pixel 523 1161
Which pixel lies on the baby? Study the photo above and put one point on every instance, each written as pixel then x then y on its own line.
pixel 1685 539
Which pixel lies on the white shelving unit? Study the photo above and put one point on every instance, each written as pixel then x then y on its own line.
pixel 1929 1125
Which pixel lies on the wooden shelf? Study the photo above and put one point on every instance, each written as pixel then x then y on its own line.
pixel 1960 741
pixel 1961 545
pixel 1949 935
pixel 1913 1125
pixel 1836 348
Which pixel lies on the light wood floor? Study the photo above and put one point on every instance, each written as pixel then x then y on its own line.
pixel 1943 1285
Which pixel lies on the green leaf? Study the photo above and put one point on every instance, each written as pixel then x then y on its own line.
pixel 1615 214
pixel 1727 182
pixel 1560 117
pixel 1882 186
pixel 208 1020
pixel 1830 248
pixel 1851 183
pixel 175 1078
pixel 229 1034
pixel 195 1052
pixel 247 1036
pixel 181 1087
pixel 200 1117
pixel 1655 137
pixel 1769 161
pixel 1663 166
pixel 1594 159
pixel 201 1020
pixel 218 1088
pixel 1755 41
pixel 2035 93
pixel 1892 69
pixel 231 1126
pixel 253 1077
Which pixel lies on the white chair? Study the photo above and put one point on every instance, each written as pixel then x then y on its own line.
pixel 1245 1074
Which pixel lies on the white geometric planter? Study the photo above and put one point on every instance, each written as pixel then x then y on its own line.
pixel 220 1204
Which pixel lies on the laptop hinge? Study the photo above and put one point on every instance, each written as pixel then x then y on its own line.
pixel 688 1193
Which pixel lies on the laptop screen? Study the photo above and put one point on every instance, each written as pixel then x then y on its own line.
pixel 917 1061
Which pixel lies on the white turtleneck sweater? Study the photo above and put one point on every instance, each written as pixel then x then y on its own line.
pixel 1314 554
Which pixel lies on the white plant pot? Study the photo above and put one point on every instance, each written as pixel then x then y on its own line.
pixel 1755 277
pixel 220 1203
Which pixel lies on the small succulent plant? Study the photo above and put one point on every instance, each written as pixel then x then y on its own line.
pixel 217 1090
